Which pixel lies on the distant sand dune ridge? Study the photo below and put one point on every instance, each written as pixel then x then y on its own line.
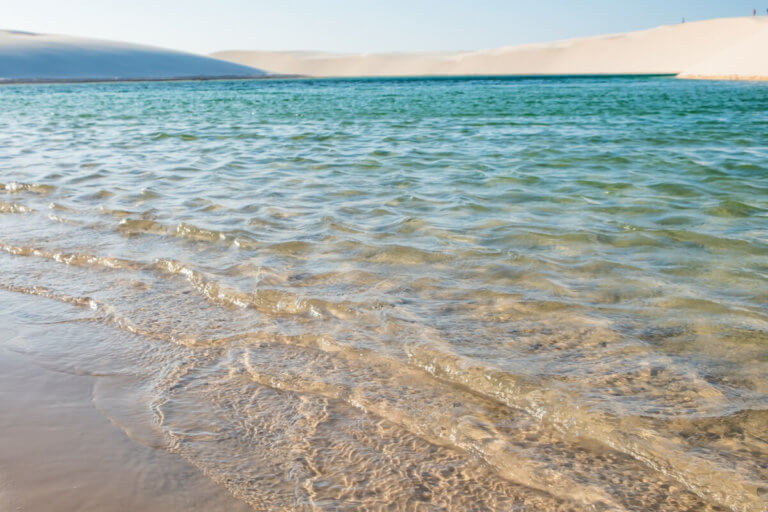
pixel 30 57
pixel 728 48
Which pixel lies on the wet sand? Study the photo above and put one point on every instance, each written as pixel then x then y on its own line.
pixel 59 453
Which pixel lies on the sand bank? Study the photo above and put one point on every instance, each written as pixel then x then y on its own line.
pixel 732 47
pixel 30 57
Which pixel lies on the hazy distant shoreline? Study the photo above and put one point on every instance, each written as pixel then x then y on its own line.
pixel 719 49
pixel 306 77
pixel 132 80
pixel 726 48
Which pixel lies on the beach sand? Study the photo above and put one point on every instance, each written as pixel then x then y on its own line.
pixel 59 452
pixel 728 47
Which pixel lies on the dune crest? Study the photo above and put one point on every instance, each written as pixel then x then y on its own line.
pixel 726 47
pixel 30 57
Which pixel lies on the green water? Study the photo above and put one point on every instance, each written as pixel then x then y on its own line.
pixel 549 294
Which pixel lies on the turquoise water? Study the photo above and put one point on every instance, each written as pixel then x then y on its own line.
pixel 549 294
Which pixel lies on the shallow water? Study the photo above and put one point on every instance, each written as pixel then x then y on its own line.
pixel 453 294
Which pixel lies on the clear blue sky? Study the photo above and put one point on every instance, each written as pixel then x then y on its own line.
pixel 354 25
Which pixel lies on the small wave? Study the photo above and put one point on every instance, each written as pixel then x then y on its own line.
pixel 186 137
pixel 14 208
pixel 63 220
pixel 107 314
pixel 269 301
pixel 133 227
pixel 35 188
pixel 403 255
pixel 71 258
pixel 736 209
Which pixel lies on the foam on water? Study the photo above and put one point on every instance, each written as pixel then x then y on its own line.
pixel 407 295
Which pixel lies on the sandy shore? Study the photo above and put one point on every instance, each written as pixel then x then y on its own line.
pixel 60 453
pixel 30 57
pixel 723 48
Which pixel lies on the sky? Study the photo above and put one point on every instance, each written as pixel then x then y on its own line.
pixel 205 26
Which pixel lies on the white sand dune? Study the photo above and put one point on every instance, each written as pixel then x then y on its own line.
pixel 746 59
pixel 29 57
pixel 704 48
